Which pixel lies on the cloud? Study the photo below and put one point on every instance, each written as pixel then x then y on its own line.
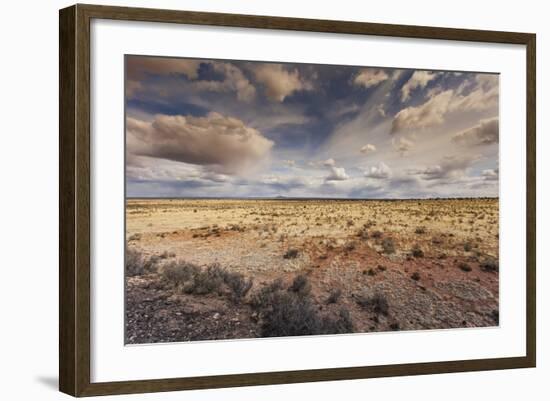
pixel 449 167
pixel 483 96
pixel 337 174
pixel 368 148
pixel 381 171
pixel 426 115
pixel 490 175
pixel 329 163
pixel 223 144
pixel 276 118
pixel 484 133
pixel 279 82
pixel 402 145
pixel 340 108
pixel 369 77
pixel 283 183
pixel 419 79
pixel 132 87
pixel 138 67
pixel 289 163
pixel 234 80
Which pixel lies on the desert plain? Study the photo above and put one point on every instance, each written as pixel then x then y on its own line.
pixel 213 269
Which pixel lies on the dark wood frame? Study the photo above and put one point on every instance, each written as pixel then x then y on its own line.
pixel 74 199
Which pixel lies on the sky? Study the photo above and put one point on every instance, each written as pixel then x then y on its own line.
pixel 226 128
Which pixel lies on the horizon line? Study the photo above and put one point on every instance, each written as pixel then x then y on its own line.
pixel 303 198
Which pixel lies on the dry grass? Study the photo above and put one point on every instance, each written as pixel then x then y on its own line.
pixel 296 267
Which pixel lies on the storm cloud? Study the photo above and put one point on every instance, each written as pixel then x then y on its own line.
pixel 224 144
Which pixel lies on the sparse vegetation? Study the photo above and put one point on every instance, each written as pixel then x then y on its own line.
pixel 178 273
pixel 138 264
pixel 334 295
pixel 378 303
pixel 291 254
pixel 238 285
pixel 489 265
pixel 300 285
pixel 205 281
pixel 213 269
pixel 415 276
pixel 388 245
pixel 291 313
pixel 417 252
pixel 420 230
pixel 464 267
pixel 350 246
pixel 377 234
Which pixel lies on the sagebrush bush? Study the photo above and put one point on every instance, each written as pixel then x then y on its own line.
pixel 377 234
pixel 388 245
pixel 417 252
pixel 178 273
pixel 238 285
pixel 464 267
pixel 263 297
pixel 291 313
pixel 334 295
pixel 340 325
pixel 378 303
pixel 489 265
pixel 291 254
pixel 138 264
pixel 206 281
pixel 300 285
pixel 420 230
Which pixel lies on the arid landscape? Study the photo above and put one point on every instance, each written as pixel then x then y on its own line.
pixel 209 269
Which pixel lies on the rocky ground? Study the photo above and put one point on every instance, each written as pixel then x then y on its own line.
pixel 367 266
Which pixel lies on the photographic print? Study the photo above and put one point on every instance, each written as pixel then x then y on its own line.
pixel 268 199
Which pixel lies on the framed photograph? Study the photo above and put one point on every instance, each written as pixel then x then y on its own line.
pixel 250 200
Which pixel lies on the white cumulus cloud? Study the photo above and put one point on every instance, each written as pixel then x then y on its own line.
pixel 368 148
pixel 381 171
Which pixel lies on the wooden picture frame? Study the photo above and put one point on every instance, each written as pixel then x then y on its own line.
pixel 74 199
